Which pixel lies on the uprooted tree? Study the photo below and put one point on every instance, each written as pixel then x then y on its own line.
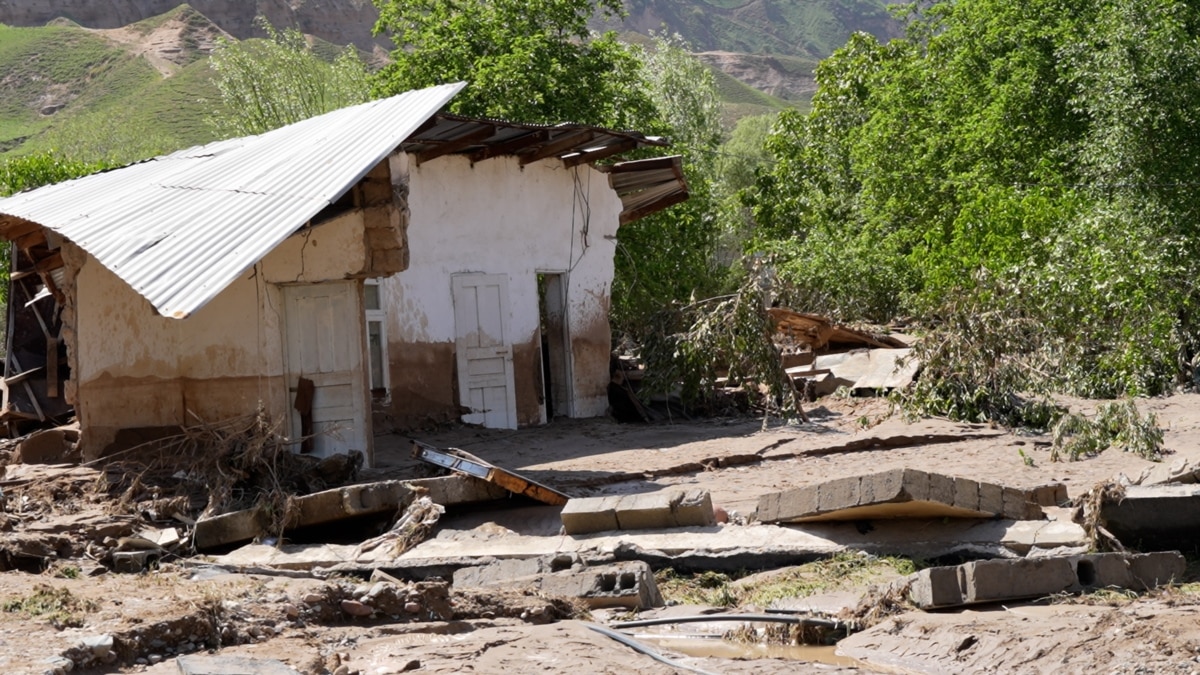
pixel 1021 176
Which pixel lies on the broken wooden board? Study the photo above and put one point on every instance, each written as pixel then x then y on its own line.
pixel 463 462
pixel 818 332
pixel 905 493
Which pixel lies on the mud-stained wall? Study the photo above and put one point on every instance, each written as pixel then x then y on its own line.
pixel 496 217
pixel 132 367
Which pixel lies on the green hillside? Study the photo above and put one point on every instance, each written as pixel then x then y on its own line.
pixel 69 88
pixel 811 28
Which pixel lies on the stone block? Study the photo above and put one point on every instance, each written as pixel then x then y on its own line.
pixel 694 508
pixel 1151 570
pixel 133 562
pixel 842 493
pixel 1155 517
pixel 897 493
pixel 591 514
pixel 991 499
pixel 966 494
pixel 648 511
pixel 985 581
pixel 504 570
pixel 937 587
pixel 941 488
pixel 627 584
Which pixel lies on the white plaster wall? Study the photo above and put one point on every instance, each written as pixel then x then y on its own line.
pixel 497 217
pixel 133 367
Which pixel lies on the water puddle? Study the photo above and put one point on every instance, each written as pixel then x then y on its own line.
pixel 717 648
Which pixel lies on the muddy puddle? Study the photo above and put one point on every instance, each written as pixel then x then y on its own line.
pixel 723 649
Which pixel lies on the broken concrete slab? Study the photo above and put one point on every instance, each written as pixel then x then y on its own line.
pixel 1155 517
pixel 985 581
pixel 903 493
pixel 459 489
pixel 645 511
pixel 724 548
pixel 315 509
pixel 345 502
pixel 626 584
pixel 201 664
pixel 514 568
pixel 1183 471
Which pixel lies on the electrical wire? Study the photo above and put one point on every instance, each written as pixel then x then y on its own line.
pixel 645 649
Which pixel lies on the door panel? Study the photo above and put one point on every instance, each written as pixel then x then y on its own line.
pixel 323 333
pixel 483 350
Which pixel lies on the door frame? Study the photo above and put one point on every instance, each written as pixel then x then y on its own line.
pixel 461 358
pixel 362 398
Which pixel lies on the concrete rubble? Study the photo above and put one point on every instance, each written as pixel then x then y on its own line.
pixel 1154 517
pixel 343 503
pixel 983 581
pixel 628 584
pixel 905 493
pixel 650 511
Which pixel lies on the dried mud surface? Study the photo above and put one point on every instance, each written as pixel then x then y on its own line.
pixel 338 626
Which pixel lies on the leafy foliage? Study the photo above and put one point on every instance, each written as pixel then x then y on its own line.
pixel 730 336
pixel 670 257
pixel 1116 424
pixel 533 61
pixel 1018 176
pixel 270 83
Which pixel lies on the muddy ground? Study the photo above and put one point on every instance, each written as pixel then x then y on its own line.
pixel 320 625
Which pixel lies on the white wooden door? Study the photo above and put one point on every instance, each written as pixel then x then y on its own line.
pixel 484 350
pixel 323 332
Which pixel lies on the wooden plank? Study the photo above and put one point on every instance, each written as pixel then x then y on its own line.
pixel 559 146
pixel 457 144
pixel 52 368
pixel 511 145
pixel 600 153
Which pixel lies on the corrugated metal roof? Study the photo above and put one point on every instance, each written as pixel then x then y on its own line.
pixel 482 139
pixel 647 186
pixel 182 227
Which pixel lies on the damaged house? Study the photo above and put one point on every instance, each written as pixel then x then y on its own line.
pixel 385 256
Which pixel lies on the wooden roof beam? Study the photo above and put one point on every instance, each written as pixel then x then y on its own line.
pixel 466 140
pixel 511 146
pixel 600 153
pixel 556 147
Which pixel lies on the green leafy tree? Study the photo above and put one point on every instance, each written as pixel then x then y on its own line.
pixel 1029 162
pixel 670 257
pixel 527 60
pixel 32 171
pixel 276 81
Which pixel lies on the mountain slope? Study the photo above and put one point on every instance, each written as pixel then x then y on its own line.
pixel 119 94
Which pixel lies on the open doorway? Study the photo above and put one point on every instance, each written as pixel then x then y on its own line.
pixel 556 344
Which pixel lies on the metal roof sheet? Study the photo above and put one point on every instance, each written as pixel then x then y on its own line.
pixel 180 228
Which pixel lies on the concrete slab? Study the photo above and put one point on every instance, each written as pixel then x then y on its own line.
pixel 1155 517
pixel 725 548
pixel 345 502
pixel 902 493
pixel 627 584
pixel 985 581
pixel 644 511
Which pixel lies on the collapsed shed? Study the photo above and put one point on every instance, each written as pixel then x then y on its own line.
pixel 385 249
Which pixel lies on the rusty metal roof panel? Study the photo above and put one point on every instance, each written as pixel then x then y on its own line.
pixel 180 228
